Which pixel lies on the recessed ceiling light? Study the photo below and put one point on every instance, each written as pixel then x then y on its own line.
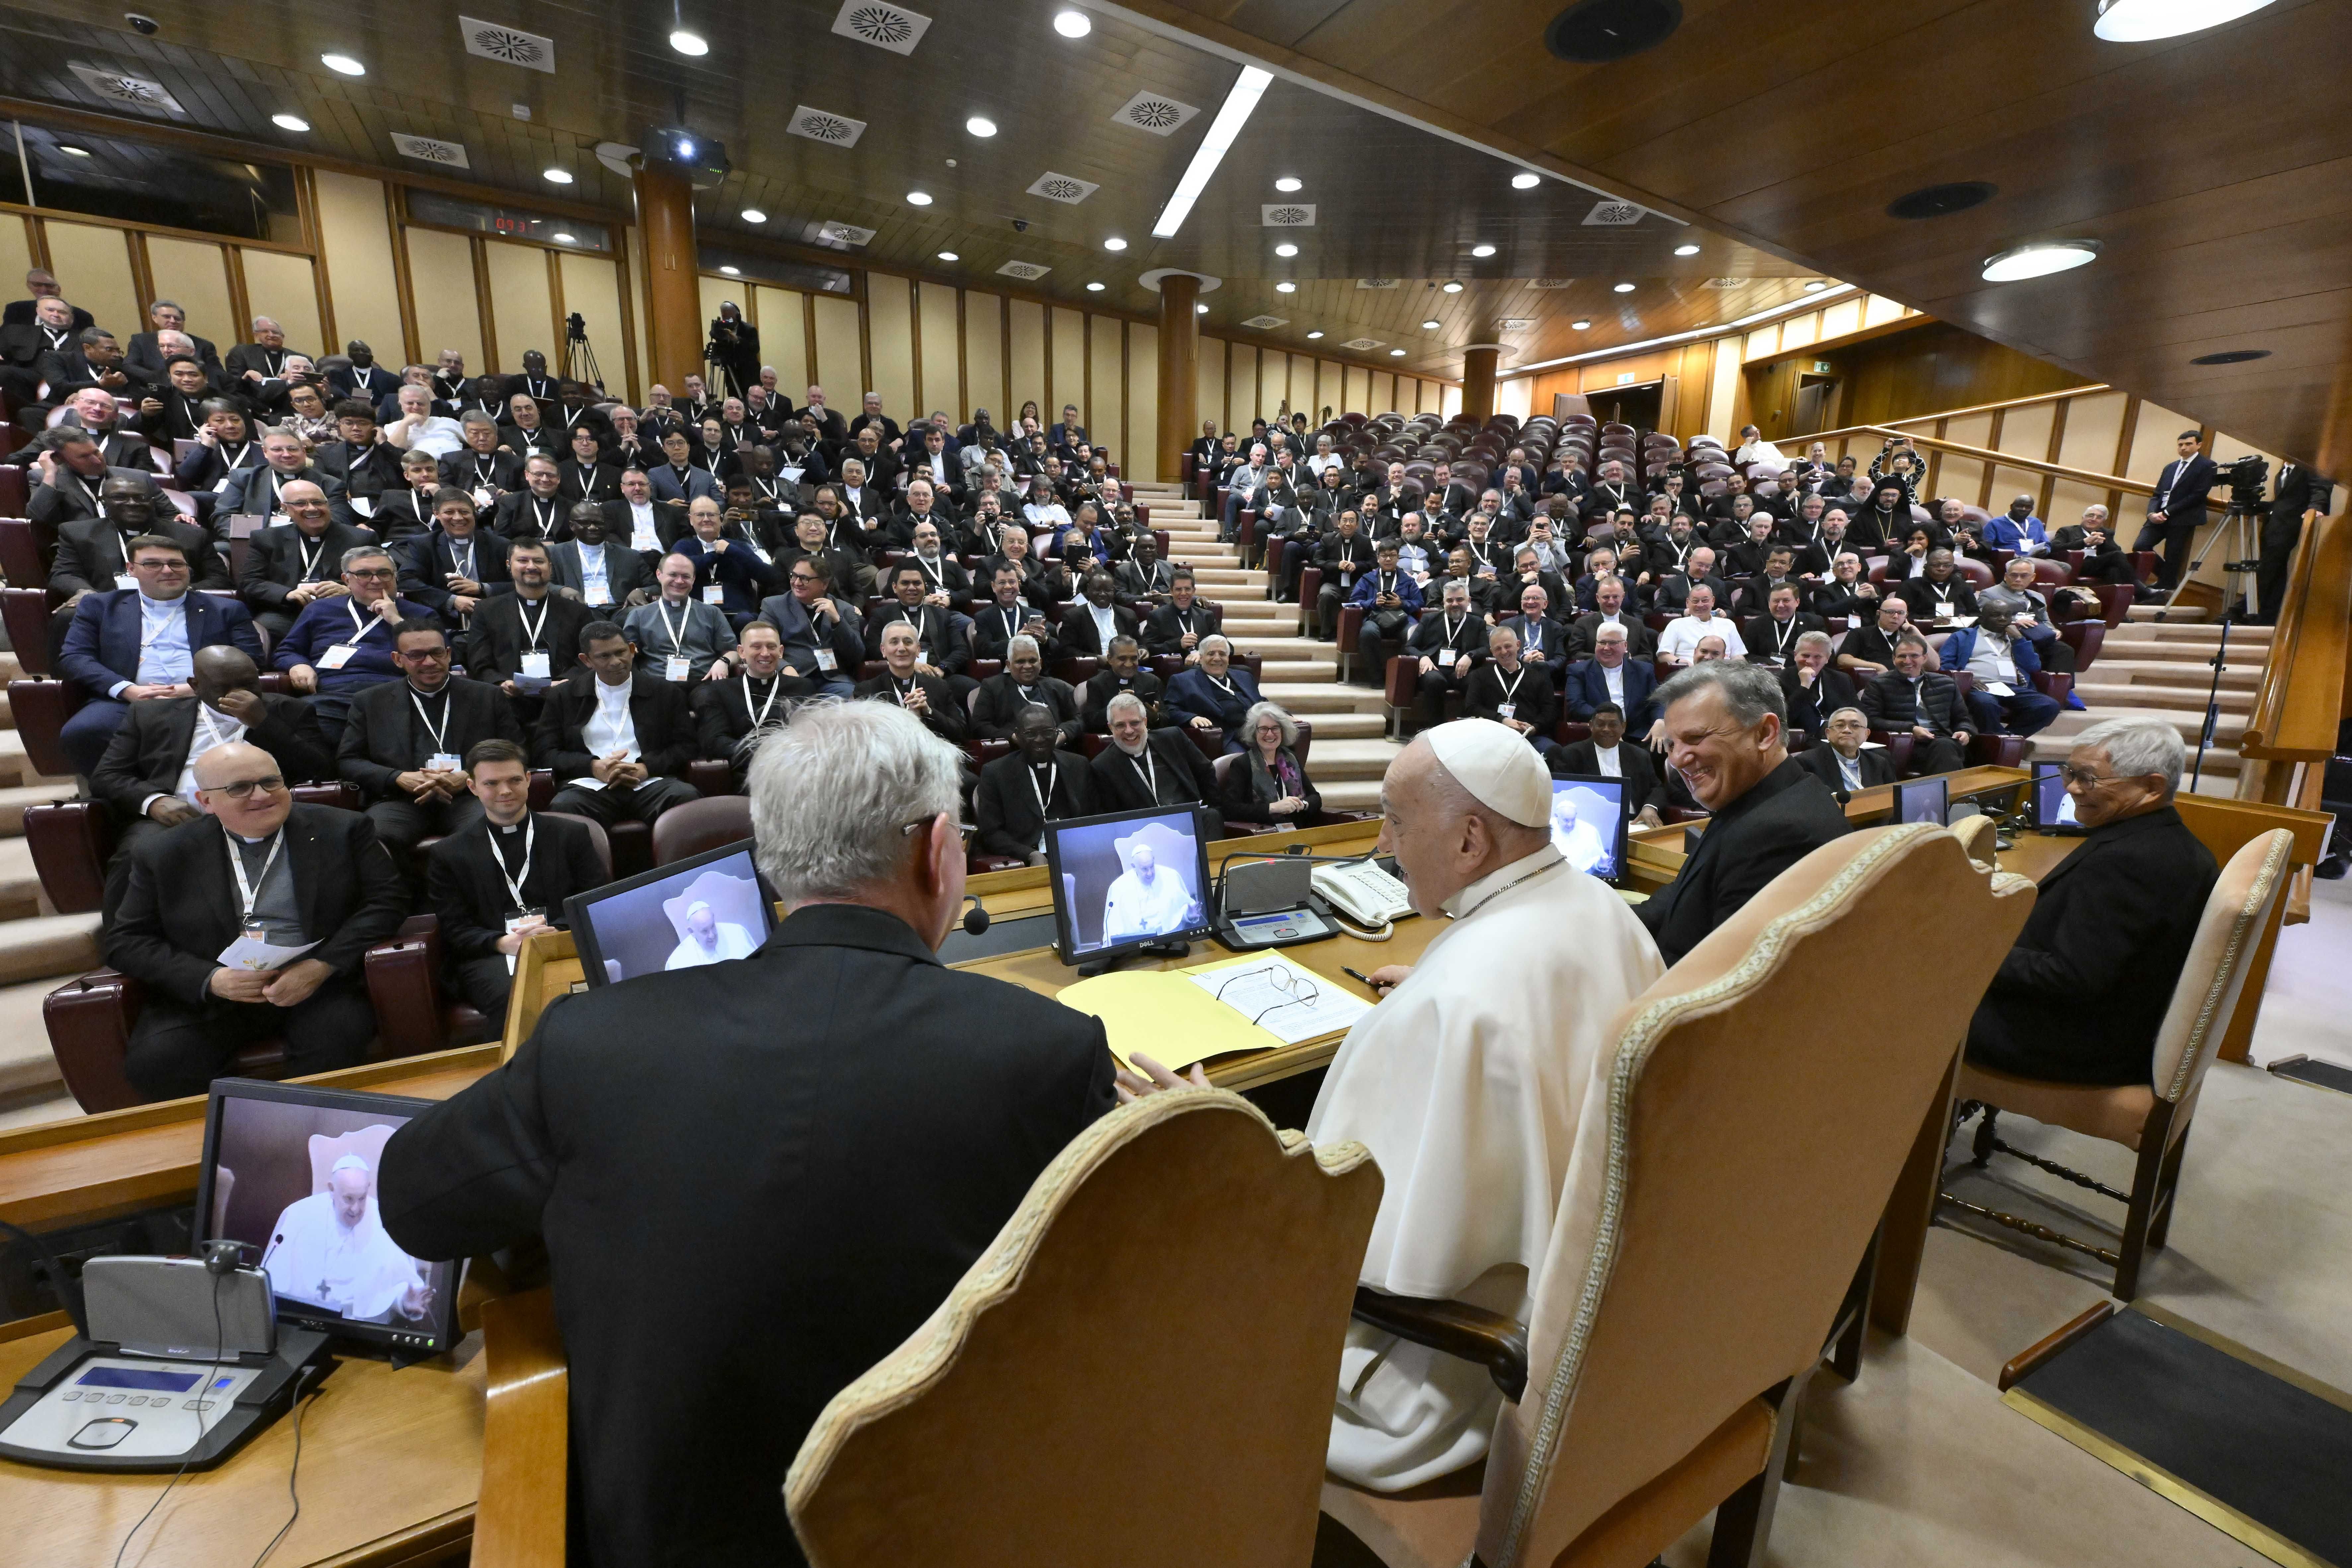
pixel 1114 243
pixel 1429 326
pixel 289 122
pixel 564 240
pixel 687 43
pixel 1314 334
pixel 918 198
pixel 1624 289
pixel 1685 251
pixel 2137 21
pixel 1285 288
pixel 732 271
pixel 1286 250
pixel 1526 181
pixel 71 152
pixel 981 125
pixel 1454 287
pixel 1481 250
pixel 754 214
pixel 949 256
pixel 1093 287
pixel 556 176
pixel 1072 24
pixel 1396 353
pixel 1582 326
pixel 342 65
pixel 1289 182
pixel 1200 309
pixel 2039 261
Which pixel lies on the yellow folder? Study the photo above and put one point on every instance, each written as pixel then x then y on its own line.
pixel 1167 1017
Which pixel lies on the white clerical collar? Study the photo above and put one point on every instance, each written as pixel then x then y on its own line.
pixel 147 604
pixel 1474 897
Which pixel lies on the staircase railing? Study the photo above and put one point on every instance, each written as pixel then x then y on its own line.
pixel 2292 731
pixel 1841 439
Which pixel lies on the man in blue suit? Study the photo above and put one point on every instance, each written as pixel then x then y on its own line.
pixel 2177 510
pixel 820 644
pixel 1211 695
pixel 1609 676
pixel 133 645
pixel 1990 652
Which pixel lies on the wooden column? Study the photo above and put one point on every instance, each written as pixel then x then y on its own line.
pixel 673 284
pixel 1478 361
pixel 1180 369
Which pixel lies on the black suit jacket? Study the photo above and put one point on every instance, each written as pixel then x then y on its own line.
pixel 178 907
pixel 91 553
pixel 1120 779
pixel 658 708
pixel 947 718
pixel 1081 638
pixel 1785 817
pixel 141 356
pixel 471 898
pixel 998 702
pixel 1888 703
pixel 147 755
pixel 495 641
pixel 726 712
pixel 1877 767
pixel 1164 632
pixel 1810 710
pixel 1532 698
pixel 244 357
pixel 1004 804
pixel 2184 487
pixel 71 501
pixel 1634 765
pixel 426 560
pixel 765 1176
pixel 2081 994
pixel 273 562
pixel 384 737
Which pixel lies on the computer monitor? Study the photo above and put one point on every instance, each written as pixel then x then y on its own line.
pixel 290 1170
pixel 2053 807
pixel 1127 878
pixel 1588 823
pixel 1923 800
pixel 705 909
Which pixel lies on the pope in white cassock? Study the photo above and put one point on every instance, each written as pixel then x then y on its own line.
pixel 1465 1082
pixel 708 940
pixel 1576 839
pixel 1144 900
pixel 330 1249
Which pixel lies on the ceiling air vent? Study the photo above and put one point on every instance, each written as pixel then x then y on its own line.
pixel 430 149
pixel 1725 282
pixel 134 90
pixel 1263 322
pixel 1613 214
pixel 1363 345
pixel 1551 283
pixel 1067 188
pixel 1287 215
pixel 843 234
pixel 1155 112
pixel 834 130
pixel 1513 323
pixel 1376 282
pixel 885 26
pixel 512 45
pixel 1027 271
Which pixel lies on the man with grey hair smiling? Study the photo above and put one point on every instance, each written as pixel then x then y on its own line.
pixel 731 1146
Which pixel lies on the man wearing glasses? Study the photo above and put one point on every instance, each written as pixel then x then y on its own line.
pixel 405 742
pixel 820 643
pixel 250 923
pixel 2081 994
pixel 342 645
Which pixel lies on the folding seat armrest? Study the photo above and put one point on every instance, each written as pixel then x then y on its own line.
pixel 89 1021
pixel 710 776
pixel 1403 672
pixel 404 982
pixel 70 841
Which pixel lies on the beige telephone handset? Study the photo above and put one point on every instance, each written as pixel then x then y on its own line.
pixel 1363 892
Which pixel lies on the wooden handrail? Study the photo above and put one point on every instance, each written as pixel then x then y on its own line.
pixel 1985 454
pixel 2300 702
pixel 2084 391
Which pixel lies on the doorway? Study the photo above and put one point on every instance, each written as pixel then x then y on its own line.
pixel 1816 408
pixel 1637 405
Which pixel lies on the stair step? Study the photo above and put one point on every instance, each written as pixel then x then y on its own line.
pixel 1301 670
pixel 20 885
pixel 1345 794
pixel 13 802
pixel 1311 697
pixel 1344 759
pixel 2189 721
pixel 26 1061
pixel 2145 628
pixel 47 947
pixel 2103 694
pixel 2174 672
pixel 1344 727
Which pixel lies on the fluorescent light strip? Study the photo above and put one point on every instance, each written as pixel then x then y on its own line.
pixel 1811 301
pixel 1248 87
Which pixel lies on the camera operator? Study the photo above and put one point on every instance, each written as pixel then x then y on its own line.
pixel 2299 490
pixel 734 348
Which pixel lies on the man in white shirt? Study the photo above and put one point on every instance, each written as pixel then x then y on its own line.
pixel 418 429
pixel 1753 448
pixel 1678 644
pixel 640 529
pixel 708 940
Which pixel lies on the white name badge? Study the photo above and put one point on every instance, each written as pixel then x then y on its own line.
pixel 1943 609
pixel 444 762
pixel 338 656
pixel 676 667
pixel 1507 710
pixel 645 538
pixel 826 661
pixel 125 579
pixel 1999 688
pixel 484 496
pixel 712 594
pixel 1853 623
pixel 534 665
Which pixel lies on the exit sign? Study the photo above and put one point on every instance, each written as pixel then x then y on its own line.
pixel 1820 365
pixel 1626 378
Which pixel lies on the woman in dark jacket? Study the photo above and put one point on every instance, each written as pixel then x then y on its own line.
pixel 1269 782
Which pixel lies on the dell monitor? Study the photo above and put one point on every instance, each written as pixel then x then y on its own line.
pixel 2052 806
pixel 1587 823
pixel 705 909
pixel 290 1171
pixel 1923 800
pixel 1128 880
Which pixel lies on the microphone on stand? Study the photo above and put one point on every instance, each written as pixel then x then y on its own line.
pixel 975 918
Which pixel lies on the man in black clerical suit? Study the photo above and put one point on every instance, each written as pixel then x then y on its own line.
pixel 2085 990
pixel 255 863
pixel 1923 701
pixel 518 641
pixel 764 1176
pixel 1123 671
pixel 404 742
pixel 1088 625
pixel 457 565
pixel 1723 724
pixel 1010 614
pixel 617 737
pixel 1511 691
pixel 1143 766
pixel 145 777
pixel 94 553
pixel 904 684
pixel 1608 753
pixel 289 564
pixel 1177 627
pixel 730 717
pixel 504 876
pixel 1040 782
pixel 1003 698
pixel 1840 760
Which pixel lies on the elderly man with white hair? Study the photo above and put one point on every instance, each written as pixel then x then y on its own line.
pixel 1214 695
pixel 741 1148
pixel 708 940
pixel 330 1250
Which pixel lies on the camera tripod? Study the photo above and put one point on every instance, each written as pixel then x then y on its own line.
pixel 579 358
pixel 2242 554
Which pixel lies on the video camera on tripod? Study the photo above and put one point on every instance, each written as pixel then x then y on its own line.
pixel 2245 477
pixel 725 343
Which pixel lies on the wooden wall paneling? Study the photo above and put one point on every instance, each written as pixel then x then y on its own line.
pixel 984 358
pixel 1212 381
pixel 890 345
pixel 631 386
pixel 783 339
pixel 1026 364
pixel 557 313
pixel 2152 444
pixel 16 249
pixel 1962 476
pixel 635 266
pixel 2056 444
pixel 857 282
pixel 485 310
pixel 143 278
pixel 591 286
pixel 964 365
pixel 940 355
pixel 306 192
pixel 1106 404
pixel 2093 424
pixel 281 287
pixel 2025 432
pixel 808 336
pixel 355 240
pixel 93 269
pixel 1798 330
pixel 839 360
pixel 1142 393
pixel 521 309
pixel 196 275
pixel 1068 376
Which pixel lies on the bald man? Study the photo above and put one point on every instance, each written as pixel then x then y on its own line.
pixel 289 564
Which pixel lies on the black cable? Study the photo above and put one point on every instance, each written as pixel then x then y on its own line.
pixel 293 1471
pixel 220 1345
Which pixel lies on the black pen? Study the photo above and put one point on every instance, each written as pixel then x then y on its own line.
pixel 1358 974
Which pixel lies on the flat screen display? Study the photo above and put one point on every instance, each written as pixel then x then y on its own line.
pixel 1922 800
pixel 1122 880
pixel 291 1172
pixel 706 908
pixel 2053 808
pixel 143 1380
pixel 1588 823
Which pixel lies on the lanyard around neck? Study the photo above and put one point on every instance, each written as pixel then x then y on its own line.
pixel 250 892
pixel 514 882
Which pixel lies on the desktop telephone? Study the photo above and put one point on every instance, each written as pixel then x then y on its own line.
pixel 1363 892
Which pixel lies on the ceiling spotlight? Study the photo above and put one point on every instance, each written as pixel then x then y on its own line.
pixel 732 271
pixel 1685 251
pixel 1429 326
pixel 1314 334
pixel 72 152
pixel 556 176
pixel 1624 289
pixel 1285 288
pixel 1072 24
pixel 1091 287
pixel 2139 21
pixel 1815 287
pixel 686 146
pixel 754 214
pixel 1114 243
pixel 564 240
pixel 2039 261
pixel 981 125
pixel 918 198
pixel 1526 181
pixel 289 122
pixel 1396 353
pixel 949 256
pixel 342 65
pixel 1580 326
pixel 1286 250
pixel 687 43
pixel 1454 288
pixel 1200 309
pixel 1289 182
pixel 1482 251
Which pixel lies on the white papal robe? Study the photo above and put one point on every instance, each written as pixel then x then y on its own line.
pixel 356 1270
pixel 727 941
pixel 1466 1083
pixel 1135 908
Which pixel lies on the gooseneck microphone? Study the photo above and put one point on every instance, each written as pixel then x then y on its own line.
pixel 975 918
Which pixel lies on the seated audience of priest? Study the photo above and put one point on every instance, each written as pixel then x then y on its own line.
pixel 1040 781
pixel 617 738
pixel 247 924
pixel 1268 782
pixel 404 742
pixel 342 645
pixel 288 565
pixel 1023 683
pixel 1612 675
pixel 2081 994
pixel 732 717
pixel 681 634
pixel 1607 753
pixel 1143 766
pixel 1678 644
pixel 2002 697
pixel 1175 628
pixel 138 644
pixel 1213 697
